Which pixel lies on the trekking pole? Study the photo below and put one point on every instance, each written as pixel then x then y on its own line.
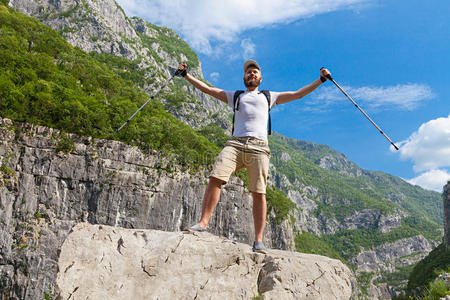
pixel 176 73
pixel 360 109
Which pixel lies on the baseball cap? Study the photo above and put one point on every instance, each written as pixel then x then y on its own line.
pixel 249 63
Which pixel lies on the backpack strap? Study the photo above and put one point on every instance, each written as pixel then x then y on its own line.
pixel 267 94
pixel 236 106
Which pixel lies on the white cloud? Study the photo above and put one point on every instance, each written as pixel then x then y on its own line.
pixel 398 97
pixel 429 146
pixel 214 76
pixel 429 149
pixel 432 180
pixel 202 22
pixel 249 48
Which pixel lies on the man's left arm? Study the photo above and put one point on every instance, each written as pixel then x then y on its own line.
pixel 285 97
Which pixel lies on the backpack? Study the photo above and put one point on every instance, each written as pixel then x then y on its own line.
pixel 237 97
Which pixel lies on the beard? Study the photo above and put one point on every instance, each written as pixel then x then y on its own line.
pixel 253 82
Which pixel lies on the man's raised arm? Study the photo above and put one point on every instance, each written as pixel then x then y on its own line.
pixel 212 91
pixel 285 97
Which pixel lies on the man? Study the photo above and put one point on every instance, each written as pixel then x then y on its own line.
pixel 248 146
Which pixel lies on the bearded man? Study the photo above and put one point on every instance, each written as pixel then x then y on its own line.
pixel 248 147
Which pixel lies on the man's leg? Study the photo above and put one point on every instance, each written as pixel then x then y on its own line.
pixel 259 214
pixel 226 163
pixel 210 200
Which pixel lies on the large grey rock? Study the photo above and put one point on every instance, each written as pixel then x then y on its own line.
pixel 103 262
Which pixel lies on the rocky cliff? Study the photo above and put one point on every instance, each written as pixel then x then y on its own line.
pixel 150 264
pixel 446 199
pixel 44 192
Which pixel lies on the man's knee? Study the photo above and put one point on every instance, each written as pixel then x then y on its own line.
pixel 258 196
pixel 216 181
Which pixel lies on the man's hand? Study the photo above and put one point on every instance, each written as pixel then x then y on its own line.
pixel 324 74
pixel 210 90
pixel 285 97
pixel 182 69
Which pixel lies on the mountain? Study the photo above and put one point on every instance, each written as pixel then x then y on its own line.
pixel 376 223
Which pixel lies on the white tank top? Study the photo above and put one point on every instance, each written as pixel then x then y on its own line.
pixel 251 118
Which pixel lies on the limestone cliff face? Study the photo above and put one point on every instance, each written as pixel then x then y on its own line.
pixel 446 199
pixel 150 264
pixel 43 193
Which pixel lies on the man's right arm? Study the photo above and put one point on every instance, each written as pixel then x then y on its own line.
pixel 212 91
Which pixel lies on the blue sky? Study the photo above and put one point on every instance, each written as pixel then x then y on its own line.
pixel 392 57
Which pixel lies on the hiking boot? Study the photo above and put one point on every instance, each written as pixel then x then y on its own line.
pixel 259 247
pixel 196 228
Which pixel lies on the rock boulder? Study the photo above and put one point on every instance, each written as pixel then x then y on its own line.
pixel 105 262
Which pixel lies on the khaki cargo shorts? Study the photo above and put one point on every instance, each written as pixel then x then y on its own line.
pixel 244 152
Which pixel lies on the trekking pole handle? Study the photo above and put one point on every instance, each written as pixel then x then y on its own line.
pixel 328 76
pixel 182 73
